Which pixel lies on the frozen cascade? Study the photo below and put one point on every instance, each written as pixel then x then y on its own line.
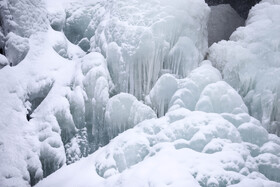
pixel 250 63
pixel 64 100
pixel 224 149
pixel 129 33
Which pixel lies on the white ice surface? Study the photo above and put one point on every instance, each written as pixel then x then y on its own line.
pixel 250 63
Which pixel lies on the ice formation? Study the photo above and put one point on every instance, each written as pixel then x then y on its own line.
pixel 250 63
pixel 129 33
pixel 123 112
pixel 3 61
pixel 170 92
pixel 182 148
pixel 223 144
pixel 123 83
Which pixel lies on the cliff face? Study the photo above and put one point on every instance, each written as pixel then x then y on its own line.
pixel 241 7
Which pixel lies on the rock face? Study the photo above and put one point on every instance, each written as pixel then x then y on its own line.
pixel 223 21
pixel 242 7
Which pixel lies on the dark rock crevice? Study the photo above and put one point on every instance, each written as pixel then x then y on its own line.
pixel 242 7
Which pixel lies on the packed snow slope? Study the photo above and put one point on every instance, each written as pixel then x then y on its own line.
pixel 124 83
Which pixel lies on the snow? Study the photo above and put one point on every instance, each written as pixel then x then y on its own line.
pixel 170 92
pixel 18 18
pixel 219 97
pixel 46 86
pixel 195 149
pixel 249 62
pixel 3 61
pixel 124 111
pixel 16 48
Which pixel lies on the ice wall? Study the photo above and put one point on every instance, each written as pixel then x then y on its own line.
pixel 250 63
pixel 142 39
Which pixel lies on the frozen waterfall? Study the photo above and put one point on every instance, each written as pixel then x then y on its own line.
pixel 127 93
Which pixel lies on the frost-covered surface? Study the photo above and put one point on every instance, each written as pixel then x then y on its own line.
pixel 223 20
pixel 250 63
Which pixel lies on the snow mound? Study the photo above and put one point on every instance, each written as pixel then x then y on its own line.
pixel 123 112
pixel 250 63
pixel 219 97
pixel 181 148
pixel 16 48
pixel 3 61
pixel 202 90
pixel 170 93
